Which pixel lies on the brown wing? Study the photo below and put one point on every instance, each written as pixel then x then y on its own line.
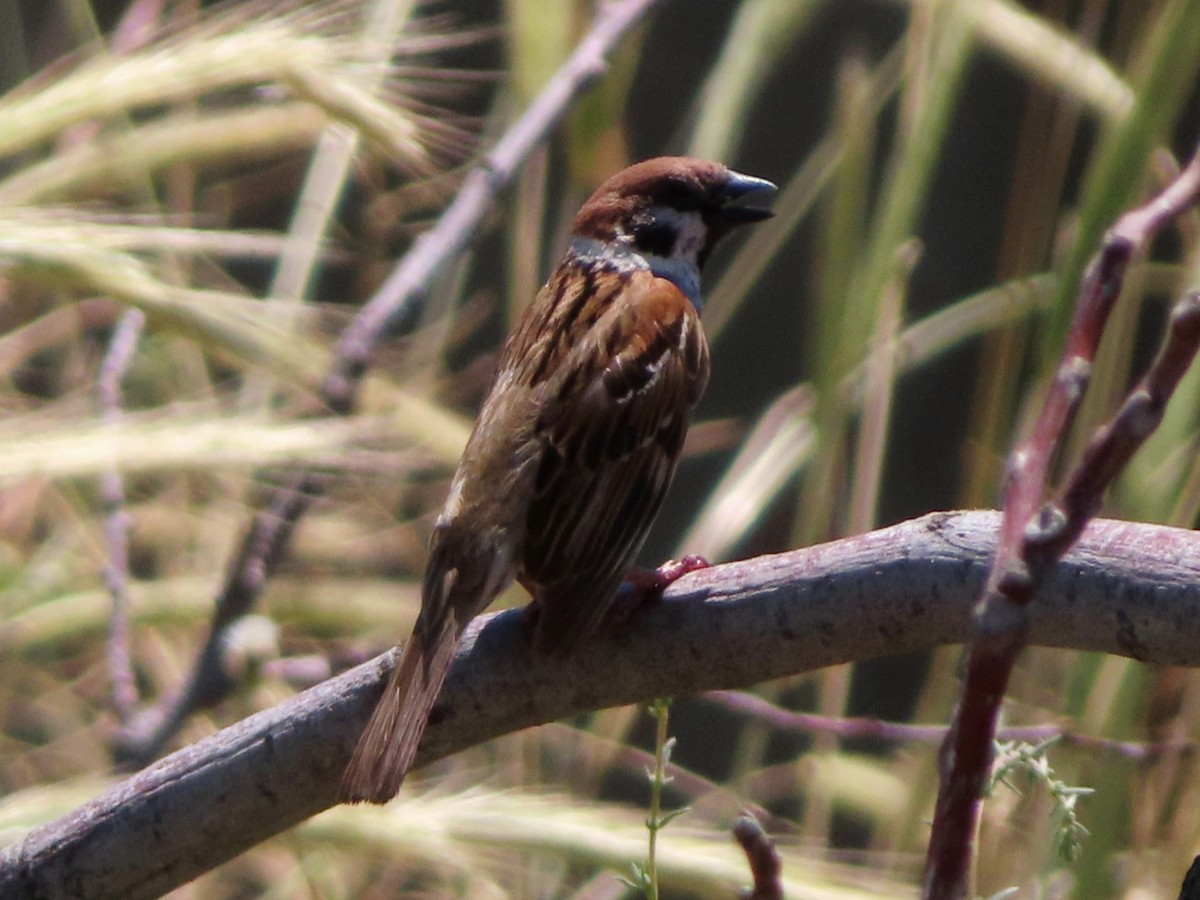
pixel 614 423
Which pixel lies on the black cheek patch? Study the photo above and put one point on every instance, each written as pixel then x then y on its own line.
pixel 655 238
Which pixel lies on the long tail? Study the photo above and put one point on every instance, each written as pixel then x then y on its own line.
pixel 387 748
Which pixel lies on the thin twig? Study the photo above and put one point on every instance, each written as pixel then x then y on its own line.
pixel 765 865
pixel 1033 540
pixel 1060 524
pixel 903 589
pixel 660 709
pixel 857 727
pixel 116 362
pixel 394 310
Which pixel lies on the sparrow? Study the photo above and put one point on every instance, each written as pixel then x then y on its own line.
pixel 576 442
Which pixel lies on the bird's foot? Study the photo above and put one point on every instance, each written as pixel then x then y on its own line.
pixel 653 582
pixel 645 586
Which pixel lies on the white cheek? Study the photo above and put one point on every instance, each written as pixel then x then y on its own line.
pixel 691 234
pixel 690 246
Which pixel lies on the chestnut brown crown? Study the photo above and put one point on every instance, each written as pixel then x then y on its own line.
pixel 672 207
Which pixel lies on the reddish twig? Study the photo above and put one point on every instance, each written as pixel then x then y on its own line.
pixel 1059 524
pixel 394 310
pixel 1032 540
pixel 765 865
pixel 121 347
pixel 850 728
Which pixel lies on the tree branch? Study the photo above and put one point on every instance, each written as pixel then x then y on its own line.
pixel 1124 589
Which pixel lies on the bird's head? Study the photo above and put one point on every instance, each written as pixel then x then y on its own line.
pixel 672 210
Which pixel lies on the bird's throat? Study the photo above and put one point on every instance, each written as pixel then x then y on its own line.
pixel 619 256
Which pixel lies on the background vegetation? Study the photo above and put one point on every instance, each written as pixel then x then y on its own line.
pixel 244 177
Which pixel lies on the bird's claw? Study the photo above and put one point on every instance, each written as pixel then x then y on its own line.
pixel 645 586
pixel 653 582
